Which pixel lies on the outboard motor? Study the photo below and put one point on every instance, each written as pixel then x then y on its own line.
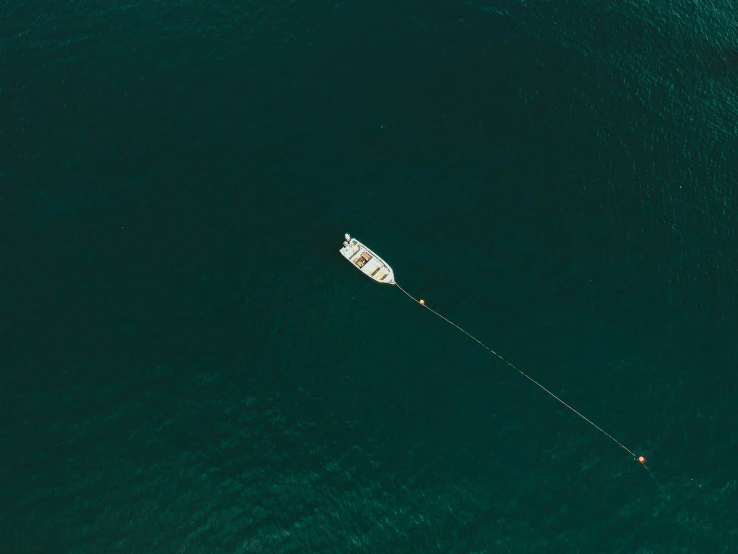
pixel 345 243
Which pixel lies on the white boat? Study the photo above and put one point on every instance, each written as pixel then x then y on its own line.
pixel 366 261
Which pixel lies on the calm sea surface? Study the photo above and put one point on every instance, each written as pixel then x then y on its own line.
pixel 188 365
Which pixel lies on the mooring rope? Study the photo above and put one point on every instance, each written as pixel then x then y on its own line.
pixel 640 459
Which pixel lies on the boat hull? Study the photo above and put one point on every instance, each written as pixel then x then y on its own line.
pixel 365 260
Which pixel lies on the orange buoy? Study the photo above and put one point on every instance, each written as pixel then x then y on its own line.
pixel 642 459
pixel 422 302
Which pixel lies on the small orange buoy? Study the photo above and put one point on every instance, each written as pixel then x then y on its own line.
pixel 642 459
pixel 422 302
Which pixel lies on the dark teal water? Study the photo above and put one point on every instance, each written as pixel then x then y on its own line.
pixel 189 365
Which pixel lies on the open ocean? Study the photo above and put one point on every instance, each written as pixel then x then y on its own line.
pixel 189 366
